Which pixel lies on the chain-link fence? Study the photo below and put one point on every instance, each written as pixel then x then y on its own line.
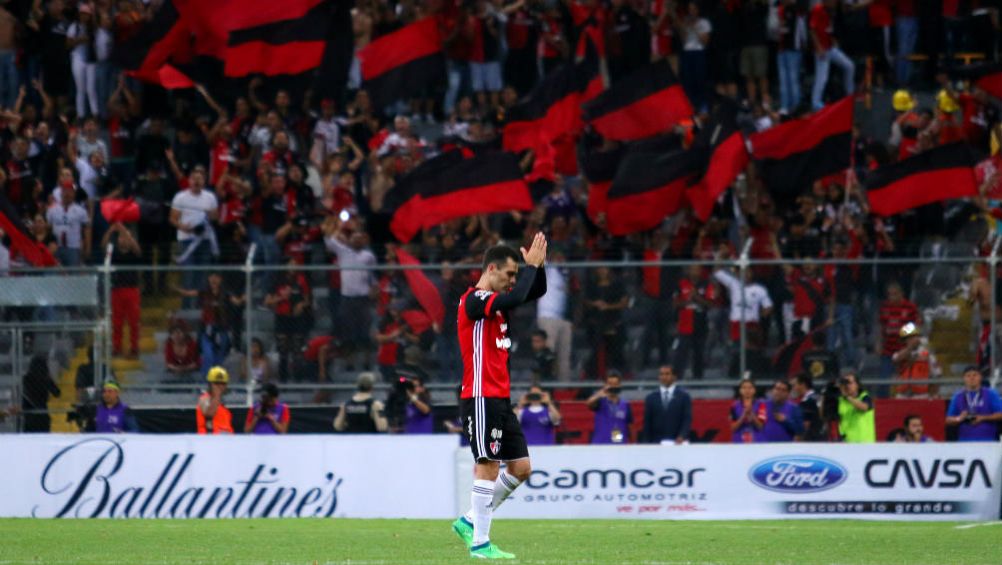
pixel 907 327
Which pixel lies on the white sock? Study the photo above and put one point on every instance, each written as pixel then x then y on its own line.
pixel 480 508
pixel 502 488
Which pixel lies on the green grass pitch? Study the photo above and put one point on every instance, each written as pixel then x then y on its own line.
pixel 431 542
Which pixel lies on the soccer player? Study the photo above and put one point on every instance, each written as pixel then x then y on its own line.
pixel 485 400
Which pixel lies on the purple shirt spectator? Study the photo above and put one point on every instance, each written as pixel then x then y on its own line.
pixel 612 422
pixel 791 425
pixel 417 422
pixel 537 426
pixel 748 433
pixel 280 411
pixel 982 402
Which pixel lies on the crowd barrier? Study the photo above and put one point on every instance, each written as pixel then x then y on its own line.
pixel 187 476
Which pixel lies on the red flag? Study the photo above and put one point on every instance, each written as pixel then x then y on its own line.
pixel 417 320
pixel 727 160
pixel 21 239
pixel 403 63
pixel 423 289
pixel 120 210
pixel 649 187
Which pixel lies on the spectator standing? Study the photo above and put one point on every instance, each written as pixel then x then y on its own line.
pixel 268 416
pixel 38 385
pixel 260 370
pixel 695 32
pixel 538 417
pixel 810 409
pixel 827 52
pixel 80 39
pixel 906 24
pixel 754 61
pixel 544 362
pixel 915 430
pixel 750 301
pixel 695 296
pixel 362 414
pixel 613 415
pixel 192 212
pixel 855 411
pixel 748 414
pixel 450 364
pixel 667 411
pixel 552 319
pixel 353 257
pixel 789 59
pixel 605 300
pixel 915 361
pixel 894 313
pixel 211 415
pixel 976 409
pixel 629 38
pixel 291 301
pixel 784 421
pixel 418 415
pixel 71 227
pixel 842 280
pixel 113 415
pixel 55 60
pixel 8 54
pixel 124 288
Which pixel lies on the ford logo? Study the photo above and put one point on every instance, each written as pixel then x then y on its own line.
pixel 798 473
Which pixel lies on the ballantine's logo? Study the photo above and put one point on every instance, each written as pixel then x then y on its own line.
pixel 798 473
pixel 81 480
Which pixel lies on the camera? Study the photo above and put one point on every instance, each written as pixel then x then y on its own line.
pixel 84 415
pixel 534 397
pixel 614 390
pixel 843 381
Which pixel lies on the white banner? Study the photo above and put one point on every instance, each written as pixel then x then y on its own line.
pixel 188 476
pixel 889 481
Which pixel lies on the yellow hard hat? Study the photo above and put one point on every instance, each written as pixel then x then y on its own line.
pixel 909 330
pixel 903 101
pixel 218 374
pixel 946 102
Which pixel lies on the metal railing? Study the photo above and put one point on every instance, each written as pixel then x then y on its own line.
pixel 646 322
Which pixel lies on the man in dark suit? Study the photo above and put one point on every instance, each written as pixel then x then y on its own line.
pixel 667 411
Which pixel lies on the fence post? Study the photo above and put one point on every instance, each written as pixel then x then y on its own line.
pixel 993 260
pixel 16 368
pixel 742 271
pixel 102 353
pixel 248 314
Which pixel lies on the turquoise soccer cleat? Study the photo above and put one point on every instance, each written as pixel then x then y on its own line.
pixel 489 551
pixel 464 529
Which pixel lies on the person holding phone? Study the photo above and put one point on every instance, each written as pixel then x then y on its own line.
pixel 538 416
pixel 613 415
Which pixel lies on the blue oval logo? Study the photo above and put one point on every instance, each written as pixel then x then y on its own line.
pixel 798 474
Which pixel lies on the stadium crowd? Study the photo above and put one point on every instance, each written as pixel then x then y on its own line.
pixel 308 182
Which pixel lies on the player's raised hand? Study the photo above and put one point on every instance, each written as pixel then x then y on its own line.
pixel 536 254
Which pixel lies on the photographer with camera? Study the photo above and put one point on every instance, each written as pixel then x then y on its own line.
pixel 113 415
pixel 538 416
pixel 268 416
pixel 418 415
pixel 856 420
pixel 976 410
pixel 613 415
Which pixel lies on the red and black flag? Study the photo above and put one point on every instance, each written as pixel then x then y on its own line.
pixel 404 63
pixel 645 103
pixel 454 188
pixel 792 155
pixel 727 156
pixel 649 187
pixel 283 47
pixel 165 37
pixel 553 107
pixel 940 173
pixel 21 240
pixel 403 201
pixel 422 288
pixel 599 165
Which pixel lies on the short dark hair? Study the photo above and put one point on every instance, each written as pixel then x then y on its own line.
pixel 270 389
pixel 540 333
pixel 499 255
pixel 805 379
pixel 783 382
pixel 909 418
